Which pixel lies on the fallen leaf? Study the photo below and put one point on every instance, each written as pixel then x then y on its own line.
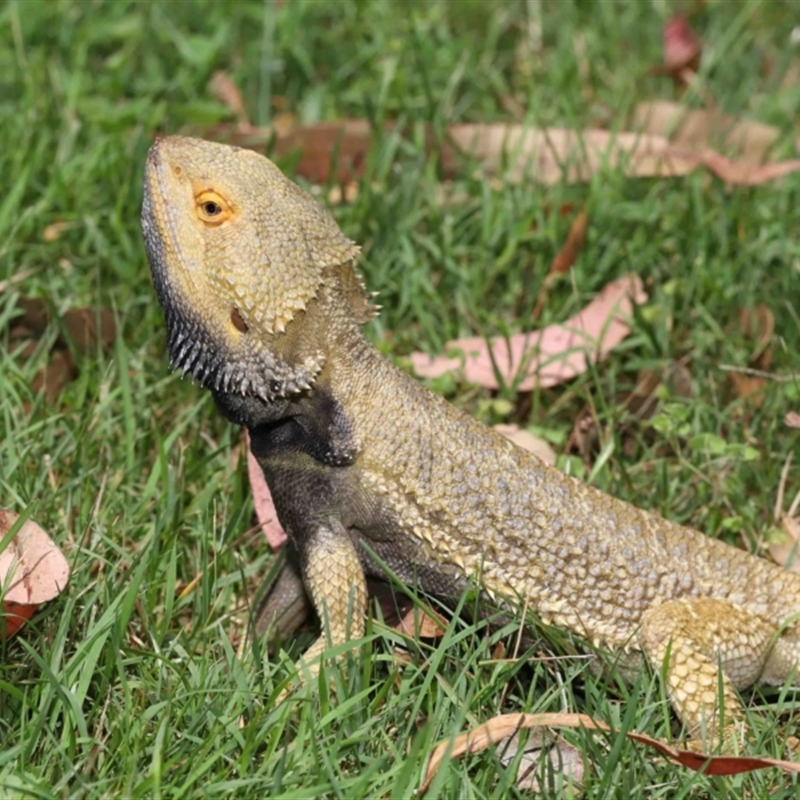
pixel 545 757
pixel 785 542
pixel 550 356
pixel 556 155
pixel 564 259
pixel 562 155
pixel 54 230
pixel 749 387
pixel 223 87
pixel 740 174
pixel 422 624
pixel 576 241
pixel 262 500
pixel 84 329
pixel 792 419
pixel 348 141
pixel 786 550
pixel 696 130
pixel 505 725
pixel 682 49
pixel 544 155
pixel 584 436
pixel 758 323
pixel 55 375
pixel 32 571
pixel 527 441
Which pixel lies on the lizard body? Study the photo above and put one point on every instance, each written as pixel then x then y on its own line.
pixel 263 306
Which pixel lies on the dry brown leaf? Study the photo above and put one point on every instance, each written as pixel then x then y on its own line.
pixel 786 549
pixel 52 378
pixel 696 130
pixel 556 155
pixel 749 387
pixel 85 329
pixel 32 571
pixel 223 87
pixel 422 624
pixel 262 500
pixel 550 356
pixel 758 323
pixel 546 155
pixel 564 259
pixel 349 140
pixel 527 441
pixel 54 230
pixel 576 241
pixel 505 725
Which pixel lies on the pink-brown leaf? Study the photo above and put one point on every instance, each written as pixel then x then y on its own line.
pixel 505 725
pixel 32 571
pixel 262 500
pixel 682 46
pixel 550 356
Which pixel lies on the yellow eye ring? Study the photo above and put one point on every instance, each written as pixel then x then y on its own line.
pixel 212 208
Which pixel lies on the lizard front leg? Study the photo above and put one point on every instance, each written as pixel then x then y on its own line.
pixel 334 579
pixel 693 639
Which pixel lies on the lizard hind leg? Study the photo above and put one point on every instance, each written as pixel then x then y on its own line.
pixel 692 639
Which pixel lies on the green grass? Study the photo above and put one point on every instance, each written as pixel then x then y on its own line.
pixel 125 686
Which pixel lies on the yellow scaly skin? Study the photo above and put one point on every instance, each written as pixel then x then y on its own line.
pixel 264 308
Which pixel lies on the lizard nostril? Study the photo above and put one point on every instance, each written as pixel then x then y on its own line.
pixel 238 322
pixel 178 171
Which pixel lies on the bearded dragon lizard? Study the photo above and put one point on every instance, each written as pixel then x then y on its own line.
pixel 263 306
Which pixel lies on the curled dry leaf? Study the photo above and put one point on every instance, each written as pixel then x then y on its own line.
pixel 505 725
pixel 32 571
pixel 550 356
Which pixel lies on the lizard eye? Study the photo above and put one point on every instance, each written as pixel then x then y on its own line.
pixel 212 208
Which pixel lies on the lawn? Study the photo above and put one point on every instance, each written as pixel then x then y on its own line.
pixel 138 680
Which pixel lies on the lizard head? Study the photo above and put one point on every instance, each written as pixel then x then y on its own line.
pixel 237 251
